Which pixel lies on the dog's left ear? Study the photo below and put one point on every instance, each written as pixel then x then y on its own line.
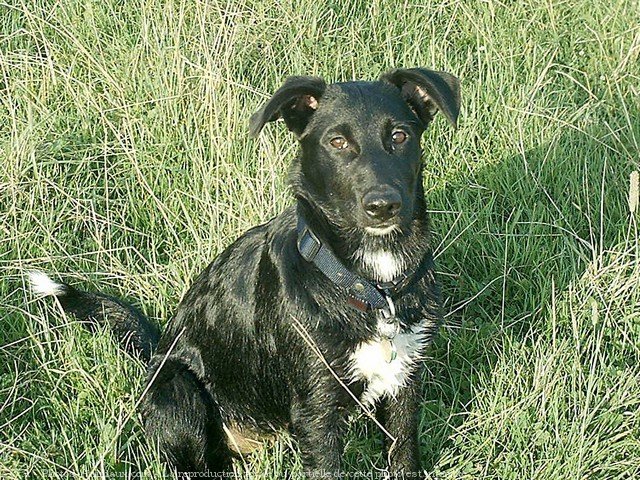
pixel 427 92
pixel 295 102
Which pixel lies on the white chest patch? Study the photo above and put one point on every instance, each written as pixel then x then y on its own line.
pixel 384 266
pixel 382 378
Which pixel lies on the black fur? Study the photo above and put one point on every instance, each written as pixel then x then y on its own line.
pixel 235 353
pixel 129 325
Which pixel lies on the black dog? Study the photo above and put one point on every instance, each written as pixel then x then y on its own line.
pixel 331 301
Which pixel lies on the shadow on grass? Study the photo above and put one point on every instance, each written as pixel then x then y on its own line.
pixel 511 235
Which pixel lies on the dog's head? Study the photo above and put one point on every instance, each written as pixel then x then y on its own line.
pixel 361 154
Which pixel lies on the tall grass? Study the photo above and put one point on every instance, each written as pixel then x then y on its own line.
pixel 126 167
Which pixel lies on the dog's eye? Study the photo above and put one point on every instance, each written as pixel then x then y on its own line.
pixel 398 137
pixel 339 143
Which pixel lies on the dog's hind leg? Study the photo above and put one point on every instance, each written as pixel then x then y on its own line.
pixel 181 414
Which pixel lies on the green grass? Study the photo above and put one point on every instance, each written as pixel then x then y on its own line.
pixel 126 167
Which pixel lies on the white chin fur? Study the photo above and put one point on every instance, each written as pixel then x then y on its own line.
pixel 384 266
pixel 381 231
pixel 41 284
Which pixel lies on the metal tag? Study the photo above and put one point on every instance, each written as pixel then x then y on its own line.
pixel 389 351
pixel 389 312
pixel 388 324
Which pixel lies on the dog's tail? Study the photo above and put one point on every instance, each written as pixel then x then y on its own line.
pixel 136 332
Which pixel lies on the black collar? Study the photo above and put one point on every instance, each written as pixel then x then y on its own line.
pixel 363 295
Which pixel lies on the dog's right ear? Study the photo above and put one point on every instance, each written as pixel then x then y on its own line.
pixel 295 102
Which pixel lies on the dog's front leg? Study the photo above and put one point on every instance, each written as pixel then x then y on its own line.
pixel 318 424
pixel 400 416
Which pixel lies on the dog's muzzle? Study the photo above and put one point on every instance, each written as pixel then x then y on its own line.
pixel 382 203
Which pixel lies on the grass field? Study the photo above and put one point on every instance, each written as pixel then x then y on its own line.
pixel 125 166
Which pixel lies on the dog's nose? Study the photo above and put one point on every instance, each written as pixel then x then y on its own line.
pixel 382 203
